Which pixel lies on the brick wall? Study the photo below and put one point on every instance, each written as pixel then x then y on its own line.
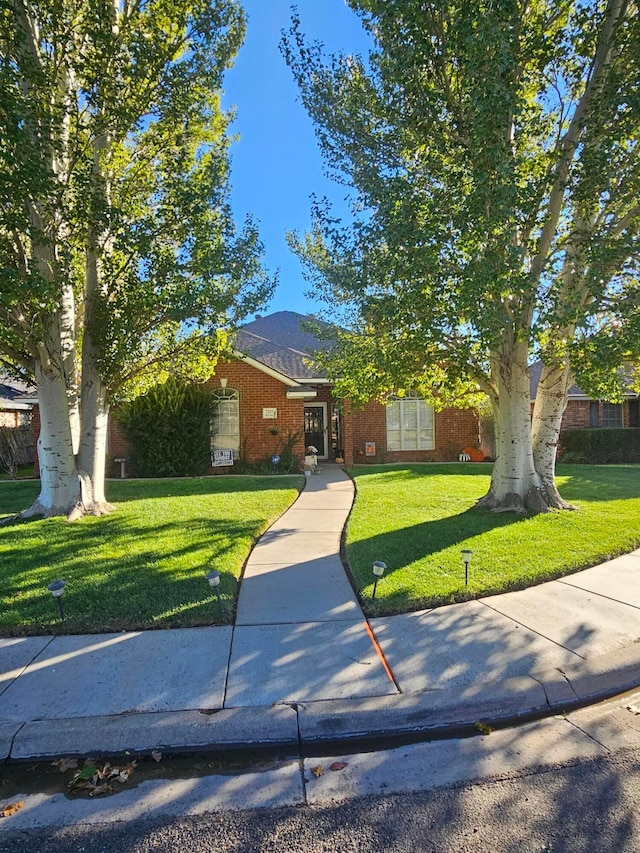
pixel 454 429
pixel 258 391
pixel 577 415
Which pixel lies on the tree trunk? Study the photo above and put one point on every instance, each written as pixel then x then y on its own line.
pixel 551 401
pixel 93 442
pixel 59 485
pixel 515 484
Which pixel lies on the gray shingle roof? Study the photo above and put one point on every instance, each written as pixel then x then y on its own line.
pixel 281 342
pixel 535 372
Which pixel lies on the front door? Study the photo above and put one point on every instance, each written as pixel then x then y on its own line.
pixel 315 428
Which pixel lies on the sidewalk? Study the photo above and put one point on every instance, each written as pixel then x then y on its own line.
pixel 303 667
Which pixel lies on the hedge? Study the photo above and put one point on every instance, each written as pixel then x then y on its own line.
pixel 600 446
pixel 169 431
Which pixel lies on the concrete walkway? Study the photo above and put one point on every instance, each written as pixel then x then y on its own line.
pixel 303 667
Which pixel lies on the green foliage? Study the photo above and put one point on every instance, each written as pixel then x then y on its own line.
pixel 120 261
pixel 492 153
pixel 600 446
pixel 169 430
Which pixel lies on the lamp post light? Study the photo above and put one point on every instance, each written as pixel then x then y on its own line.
pixel 56 588
pixel 214 582
pixel 466 559
pixel 378 570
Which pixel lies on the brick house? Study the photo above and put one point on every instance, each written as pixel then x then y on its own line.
pixel 583 412
pixel 16 402
pixel 270 390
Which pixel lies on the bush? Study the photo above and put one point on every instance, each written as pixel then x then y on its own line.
pixel 169 431
pixel 599 446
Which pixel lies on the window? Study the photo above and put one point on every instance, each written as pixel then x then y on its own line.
pixel 611 415
pixel 594 415
pixel 226 421
pixel 410 424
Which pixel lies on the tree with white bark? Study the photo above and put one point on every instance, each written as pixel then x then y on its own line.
pixel 491 151
pixel 119 260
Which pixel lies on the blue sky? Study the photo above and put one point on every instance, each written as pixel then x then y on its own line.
pixel 276 165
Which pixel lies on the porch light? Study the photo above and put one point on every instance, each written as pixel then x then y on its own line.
pixel 466 559
pixel 223 382
pixel 378 569
pixel 213 579
pixel 56 588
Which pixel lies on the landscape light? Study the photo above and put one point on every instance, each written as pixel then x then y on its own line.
pixel 466 559
pixel 214 582
pixel 56 588
pixel 378 570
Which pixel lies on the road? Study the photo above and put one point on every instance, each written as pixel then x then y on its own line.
pixel 561 785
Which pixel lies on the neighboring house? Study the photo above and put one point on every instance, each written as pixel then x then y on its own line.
pixel 583 412
pixel 271 385
pixel 16 403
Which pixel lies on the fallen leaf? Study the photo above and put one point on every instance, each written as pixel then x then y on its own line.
pixel 318 771
pixel 634 709
pixel 156 755
pixel 101 789
pixel 64 764
pixel 12 808
pixel 339 765
pixel 84 775
pixel 483 728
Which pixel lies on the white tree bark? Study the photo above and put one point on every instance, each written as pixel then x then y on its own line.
pixel 59 485
pixel 551 401
pixel 515 484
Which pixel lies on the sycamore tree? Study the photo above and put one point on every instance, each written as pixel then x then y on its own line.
pixel 119 260
pixel 490 150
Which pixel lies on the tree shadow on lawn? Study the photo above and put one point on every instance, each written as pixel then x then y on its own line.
pixel 400 548
pixel 17 496
pixel 123 590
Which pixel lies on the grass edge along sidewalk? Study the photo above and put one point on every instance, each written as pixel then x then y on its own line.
pixel 144 565
pixel 417 518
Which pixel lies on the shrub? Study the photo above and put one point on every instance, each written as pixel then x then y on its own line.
pixel 599 446
pixel 169 431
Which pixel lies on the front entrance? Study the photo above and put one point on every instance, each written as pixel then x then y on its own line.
pixel 315 427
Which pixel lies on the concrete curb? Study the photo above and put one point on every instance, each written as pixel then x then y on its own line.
pixel 301 728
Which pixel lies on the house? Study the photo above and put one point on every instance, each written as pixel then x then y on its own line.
pixel 583 412
pixel 270 389
pixel 15 402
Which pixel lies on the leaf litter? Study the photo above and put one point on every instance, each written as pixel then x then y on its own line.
pixel 98 779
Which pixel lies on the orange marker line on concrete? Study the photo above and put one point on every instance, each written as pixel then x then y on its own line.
pixel 383 660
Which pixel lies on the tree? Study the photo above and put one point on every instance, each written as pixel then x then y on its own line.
pixel 491 151
pixel 120 261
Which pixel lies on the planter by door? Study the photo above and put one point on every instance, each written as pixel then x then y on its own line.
pixel 315 428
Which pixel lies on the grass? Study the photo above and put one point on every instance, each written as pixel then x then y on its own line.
pixel 142 566
pixel 417 518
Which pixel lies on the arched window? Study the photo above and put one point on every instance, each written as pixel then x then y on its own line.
pixel 410 424
pixel 225 431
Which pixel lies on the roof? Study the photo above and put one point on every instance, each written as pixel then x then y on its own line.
pixel 13 393
pixel 574 393
pixel 535 372
pixel 280 341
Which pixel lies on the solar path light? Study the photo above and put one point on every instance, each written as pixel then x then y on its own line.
pixel 214 582
pixel 466 559
pixel 378 570
pixel 56 588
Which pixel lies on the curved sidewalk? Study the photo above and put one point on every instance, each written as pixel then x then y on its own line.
pixel 303 667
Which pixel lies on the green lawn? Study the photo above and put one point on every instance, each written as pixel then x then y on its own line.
pixel 144 565
pixel 417 518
